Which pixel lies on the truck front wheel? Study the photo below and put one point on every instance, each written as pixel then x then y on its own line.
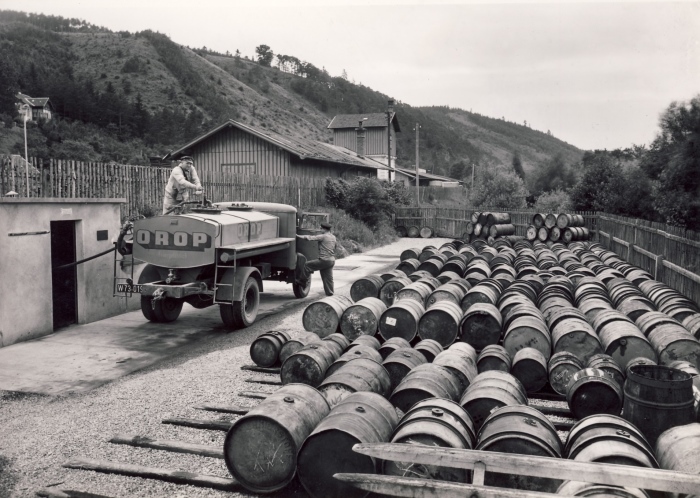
pixel 242 313
pixel 301 292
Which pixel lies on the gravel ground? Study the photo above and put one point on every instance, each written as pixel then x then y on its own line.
pixel 38 434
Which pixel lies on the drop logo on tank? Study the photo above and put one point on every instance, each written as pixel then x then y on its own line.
pixel 174 241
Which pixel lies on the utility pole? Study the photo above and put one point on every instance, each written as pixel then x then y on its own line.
pixel 417 164
pixel 472 176
pixel 27 110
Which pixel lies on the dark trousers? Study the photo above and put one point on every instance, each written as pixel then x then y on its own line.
pixel 325 268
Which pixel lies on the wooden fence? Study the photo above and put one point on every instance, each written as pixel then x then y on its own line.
pixel 451 222
pixel 143 186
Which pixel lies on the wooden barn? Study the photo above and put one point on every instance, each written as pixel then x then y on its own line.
pixel 366 134
pixel 238 148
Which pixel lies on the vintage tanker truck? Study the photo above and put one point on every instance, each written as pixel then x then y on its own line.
pixel 216 254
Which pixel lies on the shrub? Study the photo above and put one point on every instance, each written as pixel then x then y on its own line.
pixel 366 199
pixel 555 201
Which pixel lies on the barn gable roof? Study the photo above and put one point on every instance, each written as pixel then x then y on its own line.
pixel 33 102
pixel 301 147
pixel 371 120
pixel 428 176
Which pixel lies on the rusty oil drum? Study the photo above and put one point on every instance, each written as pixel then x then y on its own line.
pixel 658 398
pixel 424 382
pixel 265 349
pixel 323 316
pixel 358 375
pixel 493 357
pixel 360 418
pixel 309 364
pixel 362 318
pixel 272 433
pixel 429 348
pixel 433 422
pixel 400 362
pixel 591 391
pixel 368 286
pixel 491 390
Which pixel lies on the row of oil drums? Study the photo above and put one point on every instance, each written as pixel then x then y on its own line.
pixel 415 231
pixel 559 220
pixel 556 234
pixel 489 225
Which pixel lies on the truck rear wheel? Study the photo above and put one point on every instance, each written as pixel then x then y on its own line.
pixel 301 292
pixel 147 309
pixel 168 309
pixel 242 313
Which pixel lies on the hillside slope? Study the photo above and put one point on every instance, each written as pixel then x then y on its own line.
pixel 146 92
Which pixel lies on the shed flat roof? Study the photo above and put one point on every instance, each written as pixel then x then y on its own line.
pixel 371 120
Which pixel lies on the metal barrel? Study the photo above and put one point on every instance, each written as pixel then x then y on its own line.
pixel 309 364
pixel 550 220
pixel 565 220
pixel 430 281
pixel 358 375
pixel 416 291
pixel 635 307
pixel 649 321
pixel 592 306
pixel 368 286
pixel 432 265
pixel 430 349
pixel 365 340
pixel 639 361
pixel 408 266
pixel 323 316
pixel 575 336
pixel 426 232
pixel 678 448
pixel 692 324
pixel 338 342
pixel 413 231
pixel 542 234
pixel 475 216
pixel 603 427
pixel 457 266
pixel 362 318
pixel 480 293
pixel 391 345
pixel 527 331
pixel 481 326
pixel 538 219
pixel 608 316
pixel 352 354
pixel 491 390
pixel 493 357
pixel 400 362
pixel 530 368
pixel 673 342
pixel 607 364
pixel 658 398
pixel 446 292
pixel 498 218
pixel 389 289
pixel 401 319
pixel 411 253
pixel 433 422
pixel 423 382
pixel 440 322
pixel 531 232
pixel 273 432
pixel 501 230
pixel 523 430
pixel 294 344
pixel 624 341
pixel 265 349
pixel 360 418
pixel 462 365
pixel 554 234
pixel 591 392
pixel 428 252
pixel 389 274
pixel 560 368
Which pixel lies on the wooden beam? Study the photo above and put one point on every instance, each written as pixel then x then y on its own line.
pixel 412 487
pixel 644 252
pixel 255 368
pixel 166 445
pixel 174 476
pixel 553 468
pixel 66 493
pixel 692 276
pixel 271 382
pixel 212 425
pixel 238 410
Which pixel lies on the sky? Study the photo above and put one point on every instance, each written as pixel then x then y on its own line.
pixel 597 75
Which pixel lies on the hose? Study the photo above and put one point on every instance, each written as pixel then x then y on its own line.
pixel 76 263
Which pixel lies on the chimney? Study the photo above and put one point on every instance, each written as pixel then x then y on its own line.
pixel 390 106
pixel 360 140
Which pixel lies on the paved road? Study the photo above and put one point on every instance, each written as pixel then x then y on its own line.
pixel 80 358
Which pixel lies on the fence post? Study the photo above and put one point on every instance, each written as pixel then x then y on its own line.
pixel 658 267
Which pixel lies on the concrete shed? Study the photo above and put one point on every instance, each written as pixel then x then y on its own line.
pixel 37 234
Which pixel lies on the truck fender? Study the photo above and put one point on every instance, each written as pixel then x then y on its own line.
pixel 237 277
pixel 149 274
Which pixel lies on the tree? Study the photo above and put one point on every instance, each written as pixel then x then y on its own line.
pixel 458 170
pixel 498 186
pixel 518 166
pixel 601 186
pixel 551 175
pixel 673 163
pixel 556 201
pixel 265 55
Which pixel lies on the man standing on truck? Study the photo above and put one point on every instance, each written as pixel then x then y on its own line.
pixel 183 177
pixel 324 263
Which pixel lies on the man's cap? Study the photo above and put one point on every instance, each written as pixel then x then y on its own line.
pixel 327 226
pixel 187 158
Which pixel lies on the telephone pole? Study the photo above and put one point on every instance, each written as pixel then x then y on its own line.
pixel 417 165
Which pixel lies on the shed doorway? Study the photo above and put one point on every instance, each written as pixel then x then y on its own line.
pixel 64 284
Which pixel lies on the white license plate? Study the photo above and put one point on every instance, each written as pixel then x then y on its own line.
pixel 128 288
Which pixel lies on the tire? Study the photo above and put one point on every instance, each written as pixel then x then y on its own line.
pixel 242 313
pixel 147 309
pixel 168 309
pixel 301 292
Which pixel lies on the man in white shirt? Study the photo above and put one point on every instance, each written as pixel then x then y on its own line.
pixel 183 177
pixel 325 262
